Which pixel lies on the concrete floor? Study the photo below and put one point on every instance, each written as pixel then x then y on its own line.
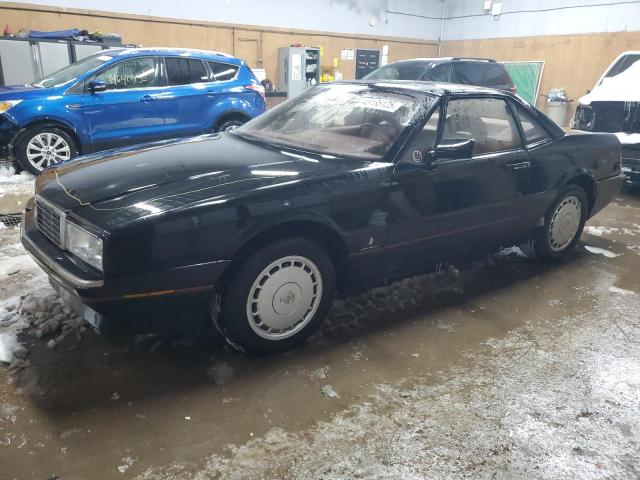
pixel 508 368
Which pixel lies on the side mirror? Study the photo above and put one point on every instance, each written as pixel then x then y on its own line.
pixel 452 149
pixel 96 86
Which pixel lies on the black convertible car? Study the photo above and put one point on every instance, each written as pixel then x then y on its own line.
pixel 342 188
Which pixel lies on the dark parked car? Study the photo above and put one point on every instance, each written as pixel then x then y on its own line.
pixel 339 189
pixel 467 71
pixel 121 97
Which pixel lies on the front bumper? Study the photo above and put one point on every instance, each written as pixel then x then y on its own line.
pixel 167 300
pixel 607 190
pixel 8 132
pixel 631 163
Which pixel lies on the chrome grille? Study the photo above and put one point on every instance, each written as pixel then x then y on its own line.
pixel 50 222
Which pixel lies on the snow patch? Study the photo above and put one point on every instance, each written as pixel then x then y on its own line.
pixel 628 138
pixel 599 231
pixel 9 175
pixel 127 462
pixel 515 251
pixel 329 392
pixel 621 291
pixel 601 251
pixel 8 347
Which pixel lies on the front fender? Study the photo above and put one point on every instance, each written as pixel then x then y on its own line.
pixel 275 222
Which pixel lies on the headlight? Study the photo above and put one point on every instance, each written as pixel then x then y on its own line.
pixel 8 104
pixel 84 245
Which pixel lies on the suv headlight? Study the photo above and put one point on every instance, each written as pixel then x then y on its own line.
pixel 84 245
pixel 8 104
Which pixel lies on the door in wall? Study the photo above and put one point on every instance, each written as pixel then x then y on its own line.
pixel 247 45
pixel 366 61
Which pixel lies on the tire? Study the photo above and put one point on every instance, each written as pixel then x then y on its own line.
pixel 41 147
pixel 563 225
pixel 277 297
pixel 230 125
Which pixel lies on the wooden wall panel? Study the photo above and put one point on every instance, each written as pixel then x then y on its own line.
pixel 258 45
pixel 574 62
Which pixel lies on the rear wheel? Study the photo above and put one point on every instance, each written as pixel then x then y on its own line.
pixel 40 147
pixel 563 224
pixel 277 297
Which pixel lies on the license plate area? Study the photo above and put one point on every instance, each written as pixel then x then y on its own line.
pixel 87 313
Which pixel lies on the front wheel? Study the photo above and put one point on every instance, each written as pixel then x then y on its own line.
pixel 40 147
pixel 563 224
pixel 230 125
pixel 277 297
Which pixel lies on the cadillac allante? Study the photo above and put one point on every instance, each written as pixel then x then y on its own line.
pixel 342 188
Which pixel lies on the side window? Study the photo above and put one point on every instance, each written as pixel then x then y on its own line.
pixel 221 72
pixel 496 76
pixel 424 139
pixel 487 121
pixel 133 73
pixel 439 73
pixel 533 131
pixel 184 71
pixel 468 73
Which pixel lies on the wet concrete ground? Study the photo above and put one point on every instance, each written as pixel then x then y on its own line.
pixel 507 369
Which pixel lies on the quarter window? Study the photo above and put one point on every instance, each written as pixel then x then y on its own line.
pixel 133 73
pixel 469 73
pixel 184 71
pixel 487 121
pixel 496 76
pixel 533 131
pixel 221 72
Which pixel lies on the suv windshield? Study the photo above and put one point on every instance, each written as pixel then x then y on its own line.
pixel 346 120
pixel 73 71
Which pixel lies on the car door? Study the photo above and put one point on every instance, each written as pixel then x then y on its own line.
pixel 128 111
pixel 188 98
pixel 452 205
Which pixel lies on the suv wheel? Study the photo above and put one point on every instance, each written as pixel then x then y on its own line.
pixel 40 147
pixel 230 125
pixel 277 297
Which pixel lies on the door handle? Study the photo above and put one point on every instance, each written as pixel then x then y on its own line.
pixel 518 166
pixel 210 93
pixel 147 98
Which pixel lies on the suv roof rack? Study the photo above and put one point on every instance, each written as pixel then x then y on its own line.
pixel 471 58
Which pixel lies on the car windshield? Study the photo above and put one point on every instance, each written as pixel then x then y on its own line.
pixel 361 121
pixel 400 71
pixel 73 71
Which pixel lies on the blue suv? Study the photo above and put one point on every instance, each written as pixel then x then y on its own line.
pixel 121 97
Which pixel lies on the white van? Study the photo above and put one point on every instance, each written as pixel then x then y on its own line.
pixel 614 106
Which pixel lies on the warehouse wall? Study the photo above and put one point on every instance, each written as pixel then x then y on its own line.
pixel 258 45
pixel 366 17
pixel 577 44
pixel 574 62
pixel 467 19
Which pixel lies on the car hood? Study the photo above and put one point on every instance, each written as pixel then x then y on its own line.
pixel 23 92
pixel 624 87
pixel 118 186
